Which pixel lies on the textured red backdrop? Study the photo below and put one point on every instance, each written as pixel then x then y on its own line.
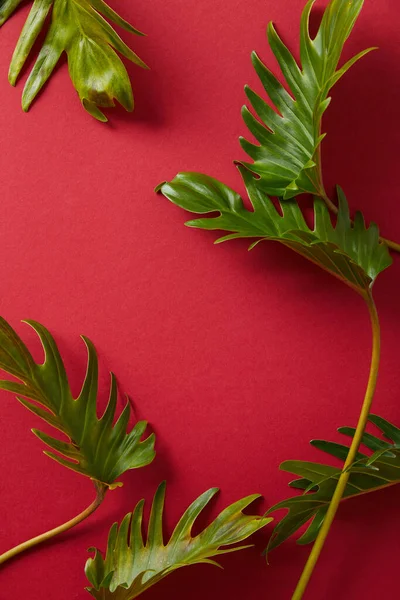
pixel 236 359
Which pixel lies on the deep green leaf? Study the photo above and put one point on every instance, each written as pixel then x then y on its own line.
pixel 77 27
pixel 368 474
pixel 132 565
pixel 285 161
pixel 351 252
pixel 95 447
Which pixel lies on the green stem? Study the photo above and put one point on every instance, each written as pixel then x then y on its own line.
pixel 100 493
pixel 393 245
pixel 355 444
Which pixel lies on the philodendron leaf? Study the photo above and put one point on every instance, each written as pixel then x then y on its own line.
pixel 95 447
pixel 350 251
pixel 79 28
pixel 132 565
pixel 285 161
pixel 318 481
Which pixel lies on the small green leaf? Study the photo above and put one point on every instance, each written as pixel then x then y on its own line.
pixel 108 72
pixel 95 447
pixel 284 163
pixel 77 27
pixel 132 565
pixel 368 474
pixel 350 252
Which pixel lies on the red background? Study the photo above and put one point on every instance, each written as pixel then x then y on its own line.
pixel 236 359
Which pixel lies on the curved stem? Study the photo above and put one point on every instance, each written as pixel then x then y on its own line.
pixel 355 444
pixel 331 205
pixel 393 245
pixel 100 493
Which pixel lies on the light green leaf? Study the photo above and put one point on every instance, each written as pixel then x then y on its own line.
pixel 95 447
pixel 132 565
pixel 350 252
pixel 30 31
pixel 285 163
pixel 318 481
pixel 77 27
pixel 7 7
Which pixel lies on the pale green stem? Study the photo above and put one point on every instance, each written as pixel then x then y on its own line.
pixel 100 493
pixel 393 245
pixel 355 444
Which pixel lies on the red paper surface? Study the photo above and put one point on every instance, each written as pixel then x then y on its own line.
pixel 236 359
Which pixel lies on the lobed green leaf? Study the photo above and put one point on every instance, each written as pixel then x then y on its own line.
pixel 350 251
pixel 93 446
pixel 79 28
pixel 132 565
pixel 318 481
pixel 285 161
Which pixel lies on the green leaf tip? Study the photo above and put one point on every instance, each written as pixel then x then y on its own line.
pixel 350 252
pixel 158 188
pixel 289 135
pixel 95 447
pixel 79 28
pixel 132 565
pixel 370 472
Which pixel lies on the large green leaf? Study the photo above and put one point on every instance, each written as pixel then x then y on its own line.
pixel 350 251
pixel 132 565
pixel 318 481
pixel 286 159
pixel 94 447
pixel 77 27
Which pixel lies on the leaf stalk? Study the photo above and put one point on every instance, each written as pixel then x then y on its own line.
pixel 356 442
pixel 101 490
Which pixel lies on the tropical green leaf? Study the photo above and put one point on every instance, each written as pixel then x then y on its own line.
pixel 318 481
pixel 95 447
pixel 132 565
pixel 350 251
pixel 79 28
pixel 285 163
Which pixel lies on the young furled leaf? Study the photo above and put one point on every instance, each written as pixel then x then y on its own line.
pixel 287 161
pixel 132 565
pixel 350 252
pixel 95 447
pixel 79 28
pixel 318 481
